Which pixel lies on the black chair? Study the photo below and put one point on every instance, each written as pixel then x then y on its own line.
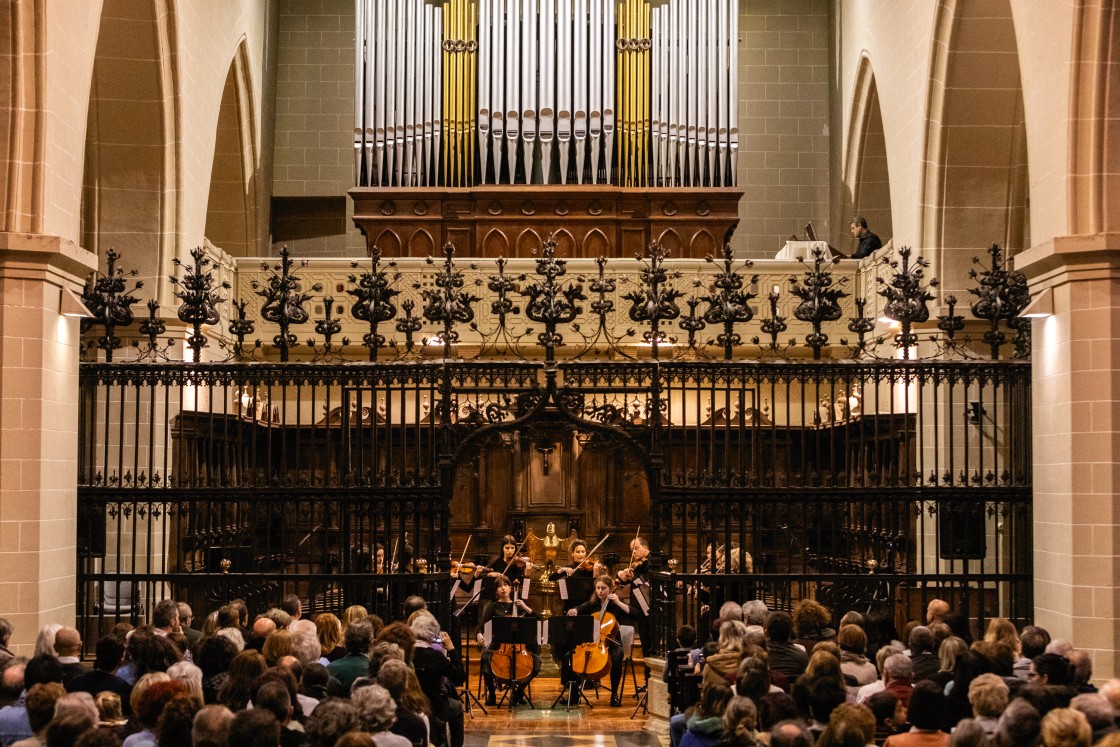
pixel 683 684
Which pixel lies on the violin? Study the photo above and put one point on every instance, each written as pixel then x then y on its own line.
pixel 511 662
pixel 465 572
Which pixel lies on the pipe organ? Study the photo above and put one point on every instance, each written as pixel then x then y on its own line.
pixel 631 93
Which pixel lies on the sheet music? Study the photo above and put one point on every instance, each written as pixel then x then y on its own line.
pixel 639 593
pixel 487 636
pixel 542 630
pixel 525 588
pixel 563 582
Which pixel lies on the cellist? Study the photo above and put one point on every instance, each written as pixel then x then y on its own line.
pixel 504 606
pixel 604 602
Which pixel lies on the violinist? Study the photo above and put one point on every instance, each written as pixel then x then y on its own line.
pixel 639 562
pixel 505 605
pixel 581 565
pixel 603 604
pixel 509 564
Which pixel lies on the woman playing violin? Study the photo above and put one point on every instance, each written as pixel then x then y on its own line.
pixel 509 564
pixel 603 603
pixel 580 566
pixel 505 606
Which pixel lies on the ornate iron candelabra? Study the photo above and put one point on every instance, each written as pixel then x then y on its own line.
pixel 409 325
pixel 110 300
pixel 861 325
pixel 448 304
pixel 283 301
pixel 655 301
pixel 327 327
pixel 692 323
pixel 1001 295
pixel 907 293
pixel 550 301
pixel 241 327
pixel 152 327
pixel 502 286
pixel 373 300
pixel 728 302
pixel 949 322
pixel 820 299
pixel 775 324
pixel 196 289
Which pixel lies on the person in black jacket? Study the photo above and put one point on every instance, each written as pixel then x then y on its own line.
pixel 868 242
pixel 606 601
pixel 109 655
pixel 433 669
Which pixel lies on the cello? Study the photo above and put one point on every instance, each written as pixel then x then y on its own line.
pixel 511 662
pixel 593 660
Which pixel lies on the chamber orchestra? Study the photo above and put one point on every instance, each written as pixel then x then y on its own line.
pixel 583 587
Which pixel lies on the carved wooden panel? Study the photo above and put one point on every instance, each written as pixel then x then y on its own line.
pixel 511 221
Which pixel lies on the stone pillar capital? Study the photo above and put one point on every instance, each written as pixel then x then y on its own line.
pixel 1064 259
pixel 52 259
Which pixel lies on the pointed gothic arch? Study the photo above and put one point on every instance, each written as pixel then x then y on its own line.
pixel 866 173
pixel 22 45
pixel 1094 194
pixel 231 208
pixel 131 190
pixel 974 190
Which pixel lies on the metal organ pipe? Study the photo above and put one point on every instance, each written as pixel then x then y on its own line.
pixel 632 92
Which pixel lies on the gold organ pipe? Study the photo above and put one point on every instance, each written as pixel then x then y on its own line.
pixel 635 74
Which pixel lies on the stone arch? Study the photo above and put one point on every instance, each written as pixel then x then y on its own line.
pixel 866 174
pixel 22 73
pixel 974 189
pixel 131 191
pixel 231 209
pixel 1094 194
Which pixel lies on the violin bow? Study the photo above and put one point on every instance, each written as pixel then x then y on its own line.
pixel 593 549
pixel 464 555
pixel 393 560
pixel 515 554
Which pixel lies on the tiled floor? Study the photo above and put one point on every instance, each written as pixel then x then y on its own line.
pixel 542 726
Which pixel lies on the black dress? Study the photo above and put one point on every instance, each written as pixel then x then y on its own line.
pixel 614 646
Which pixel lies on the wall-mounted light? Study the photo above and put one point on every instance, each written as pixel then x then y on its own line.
pixel 1041 307
pixel 70 304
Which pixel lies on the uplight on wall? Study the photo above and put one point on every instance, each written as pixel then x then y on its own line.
pixel 1041 307
pixel 70 304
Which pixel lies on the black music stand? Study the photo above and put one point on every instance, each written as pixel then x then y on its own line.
pixel 519 631
pixel 579 588
pixel 469 699
pixel 569 631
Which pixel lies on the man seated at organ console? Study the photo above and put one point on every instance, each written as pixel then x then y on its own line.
pixel 506 662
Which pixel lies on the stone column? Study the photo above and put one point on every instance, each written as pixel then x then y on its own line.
pixel 38 432
pixel 1076 443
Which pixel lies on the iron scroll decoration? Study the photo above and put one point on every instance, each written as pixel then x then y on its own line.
pixel 199 294
pixel 109 298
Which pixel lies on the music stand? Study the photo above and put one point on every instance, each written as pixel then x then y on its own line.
pixel 569 631
pixel 469 699
pixel 577 589
pixel 519 631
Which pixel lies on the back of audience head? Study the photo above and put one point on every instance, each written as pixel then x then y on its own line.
pixel 823 697
pixel 968 733
pixel 152 700
pixel 190 675
pixel 731 635
pixel 754 612
pixel 425 627
pixel 40 703
pixel 41 668
pixel 330 720
pixel 1018 725
pixel 774 708
pixel 274 697
pixel 851 617
pixel 753 678
pixel 65 728
pixel 898 668
pixel 400 634
pixel 927 707
pixel 305 647
pixel 1065 727
pixel 731 610
pixel 951 649
pixel 887 710
pixel 108 654
pixel 110 710
pixel 282 677
pixel 1033 641
pixel 810 617
pixel 922 641
pixel 277 644
pixel 740 719
pixel 790 734
pixel 214 654
pixel 852 639
pixel 1002 630
pixel 255 727
pixel 175 721
pixel 958 623
pixel 292 606
pixel 211 726
pixel 686 636
pixel 1081 667
pixel 998 656
pixel 779 626
pixel 848 717
pixel 988 695
pixel 1099 712
pixel 376 709
pixel 44 641
pixel 98 738
pixel 11 680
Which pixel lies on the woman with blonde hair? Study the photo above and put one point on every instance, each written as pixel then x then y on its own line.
pixel 329 630
pixel 951 649
pixel 352 614
pixel 276 646
pixel 1002 630
pixel 720 668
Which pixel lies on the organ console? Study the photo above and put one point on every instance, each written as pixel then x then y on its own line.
pixel 631 93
